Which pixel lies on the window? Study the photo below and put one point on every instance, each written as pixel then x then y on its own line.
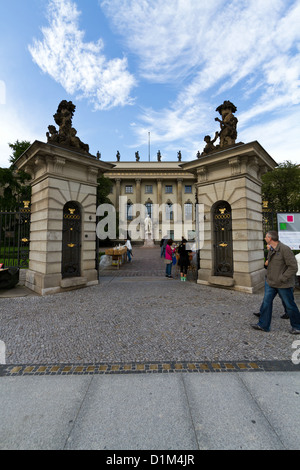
pixel 169 211
pixel 169 188
pixel 148 189
pixel 129 211
pixel 170 234
pixel 188 211
pixel 149 208
pixel 188 189
pixel 128 189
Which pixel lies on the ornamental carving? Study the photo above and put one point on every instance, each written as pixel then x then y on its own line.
pixel 66 135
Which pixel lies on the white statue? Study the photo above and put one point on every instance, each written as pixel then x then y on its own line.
pixel 148 224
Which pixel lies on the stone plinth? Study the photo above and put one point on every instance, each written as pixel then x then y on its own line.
pixel 58 177
pixel 148 242
pixel 234 176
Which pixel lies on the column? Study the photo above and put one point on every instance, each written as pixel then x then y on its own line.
pixel 118 191
pixel 138 191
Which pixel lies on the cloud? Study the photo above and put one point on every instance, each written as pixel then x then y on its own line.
pixel 277 136
pixel 15 126
pixel 2 92
pixel 164 35
pixel 81 67
pixel 209 51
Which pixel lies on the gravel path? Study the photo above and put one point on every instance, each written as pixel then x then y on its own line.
pixel 130 317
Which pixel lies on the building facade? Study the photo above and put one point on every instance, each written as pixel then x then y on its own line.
pixel 158 186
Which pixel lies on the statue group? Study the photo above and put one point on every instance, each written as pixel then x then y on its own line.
pixel 66 135
pixel 228 129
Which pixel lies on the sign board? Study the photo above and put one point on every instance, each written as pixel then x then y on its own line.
pixel 289 229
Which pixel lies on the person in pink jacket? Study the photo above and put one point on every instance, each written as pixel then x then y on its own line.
pixel 168 258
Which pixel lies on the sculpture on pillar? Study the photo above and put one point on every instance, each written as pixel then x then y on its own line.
pixel 66 135
pixel 209 147
pixel 137 156
pixel 179 155
pixel 158 156
pixel 118 156
pixel 228 124
pixel 227 133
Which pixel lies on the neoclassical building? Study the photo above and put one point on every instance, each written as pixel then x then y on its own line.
pixel 165 184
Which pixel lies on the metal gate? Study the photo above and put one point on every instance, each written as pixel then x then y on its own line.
pixel 14 237
pixel 223 250
pixel 71 240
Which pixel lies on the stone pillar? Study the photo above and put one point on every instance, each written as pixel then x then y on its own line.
pixel 118 192
pixel 138 191
pixel 233 176
pixel 60 176
pixel 179 191
pixel 159 191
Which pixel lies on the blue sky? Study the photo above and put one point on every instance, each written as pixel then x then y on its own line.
pixel 134 67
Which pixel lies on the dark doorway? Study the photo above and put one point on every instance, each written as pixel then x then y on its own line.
pixel 223 253
pixel 71 240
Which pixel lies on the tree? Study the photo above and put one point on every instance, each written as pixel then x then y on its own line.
pixel 14 182
pixel 103 190
pixel 18 148
pixel 281 187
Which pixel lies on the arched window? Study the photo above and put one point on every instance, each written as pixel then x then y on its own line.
pixel 149 208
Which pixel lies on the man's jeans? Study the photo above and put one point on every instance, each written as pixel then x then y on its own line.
pixel 287 297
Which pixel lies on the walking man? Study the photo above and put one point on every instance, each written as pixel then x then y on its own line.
pixel 281 270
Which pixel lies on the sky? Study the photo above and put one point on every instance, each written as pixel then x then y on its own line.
pixel 148 75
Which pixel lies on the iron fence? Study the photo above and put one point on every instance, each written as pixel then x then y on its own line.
pixel 14 237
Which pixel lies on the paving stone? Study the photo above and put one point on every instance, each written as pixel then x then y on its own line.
pixel 141 320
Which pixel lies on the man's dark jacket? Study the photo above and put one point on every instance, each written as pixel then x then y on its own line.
pixel 282 267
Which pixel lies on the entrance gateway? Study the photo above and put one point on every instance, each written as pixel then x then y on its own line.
pixel 63 207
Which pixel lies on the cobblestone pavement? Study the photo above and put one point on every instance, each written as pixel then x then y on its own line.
pixel 136 315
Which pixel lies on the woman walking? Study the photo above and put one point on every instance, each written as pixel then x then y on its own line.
pixel 168 258
pixel 184 259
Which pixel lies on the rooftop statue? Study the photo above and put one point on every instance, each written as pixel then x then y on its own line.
pixel 66 135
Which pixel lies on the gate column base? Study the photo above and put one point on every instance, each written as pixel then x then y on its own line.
pixel 231 224
pixel 63 217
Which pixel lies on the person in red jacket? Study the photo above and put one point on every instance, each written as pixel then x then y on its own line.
pixel 168 258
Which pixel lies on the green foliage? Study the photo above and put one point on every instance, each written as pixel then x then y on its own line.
pixel 281 188
pixel 14 183
pixel 18 148
pixel 103 189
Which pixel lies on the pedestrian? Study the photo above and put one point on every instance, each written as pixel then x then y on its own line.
pixel 163 243
pixel 285 315
pixel 129 250
pixel 184 259
pixel 169 258
pixel 281 270
pixel 298 272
